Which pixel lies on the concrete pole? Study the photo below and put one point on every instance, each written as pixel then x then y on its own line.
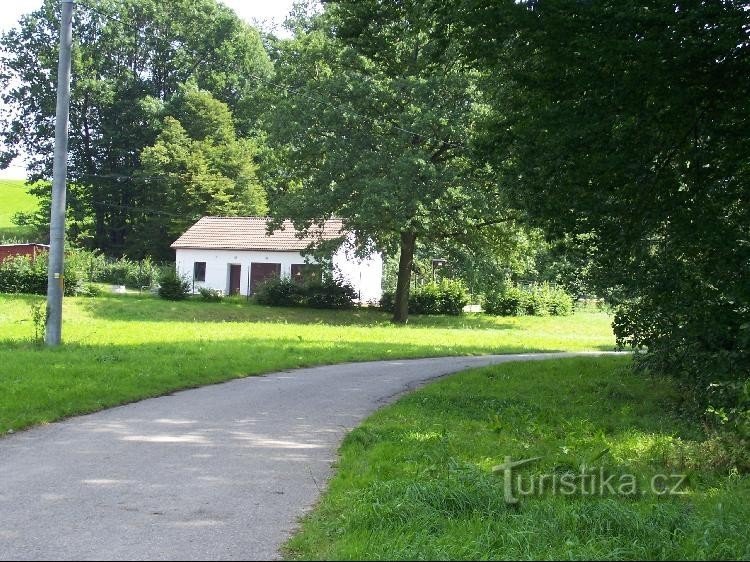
pixel 55 281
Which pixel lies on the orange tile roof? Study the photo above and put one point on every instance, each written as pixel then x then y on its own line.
pixel 250 233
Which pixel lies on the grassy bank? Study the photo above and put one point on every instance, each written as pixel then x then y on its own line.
pixel 416 481
pixel 124 348
pixel 14 198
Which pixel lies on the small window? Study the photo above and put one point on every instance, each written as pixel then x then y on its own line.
pixel 305 272
pixel 199 271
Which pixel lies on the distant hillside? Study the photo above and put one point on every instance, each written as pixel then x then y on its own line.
pixel 14 198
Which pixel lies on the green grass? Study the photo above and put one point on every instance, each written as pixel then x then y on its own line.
pixel 124 348
pixel 14 198
pixel 415 481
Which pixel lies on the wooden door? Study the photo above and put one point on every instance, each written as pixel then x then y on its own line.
pixel 235 275
pixel 260 271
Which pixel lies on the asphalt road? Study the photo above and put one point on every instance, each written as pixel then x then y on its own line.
pixel 220 472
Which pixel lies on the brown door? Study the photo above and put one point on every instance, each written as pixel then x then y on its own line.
pixel 261 271
pixel 235 272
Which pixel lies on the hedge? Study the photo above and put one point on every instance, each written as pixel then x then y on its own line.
pixel 24 274
pixel 445 297
pixel 536 300
pixel 328 293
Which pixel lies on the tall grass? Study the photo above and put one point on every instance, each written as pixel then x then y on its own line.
pixel 415 481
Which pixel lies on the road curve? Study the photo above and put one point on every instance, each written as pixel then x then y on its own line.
pixel 221 472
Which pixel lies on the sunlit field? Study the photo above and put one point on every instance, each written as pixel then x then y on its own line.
pixel 127 347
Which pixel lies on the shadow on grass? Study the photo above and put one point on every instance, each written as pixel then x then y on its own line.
pixel 135 307
pixel 39 385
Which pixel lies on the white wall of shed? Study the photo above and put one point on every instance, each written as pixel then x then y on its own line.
pixel 365 275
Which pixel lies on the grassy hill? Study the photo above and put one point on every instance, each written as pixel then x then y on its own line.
pixel 15 198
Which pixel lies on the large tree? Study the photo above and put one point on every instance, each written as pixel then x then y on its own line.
pixel 129 58
pixel 196 167
pixel 371 123
pixel 628 121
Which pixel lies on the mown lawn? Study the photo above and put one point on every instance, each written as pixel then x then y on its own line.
pixel 14 198
pixel 415 481
pixel 124 348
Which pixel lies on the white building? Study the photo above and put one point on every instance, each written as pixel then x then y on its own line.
pixel 235 254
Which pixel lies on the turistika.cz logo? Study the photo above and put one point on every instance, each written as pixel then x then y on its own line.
pixel 587 481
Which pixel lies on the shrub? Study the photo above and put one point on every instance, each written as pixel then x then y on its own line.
pixel 88 266
pixel 425 300
pixel 172 286
pixel 388 301
pixel 22 274
pixel 94 267
pixel 329 293
pixel 280 291
pixel 210 295
pixel 38 320
pixel 135 274
pixel 715 383
pixel 561 303
pixel 537 300
pixel 88 290
pixel 508 301
pixel 446 297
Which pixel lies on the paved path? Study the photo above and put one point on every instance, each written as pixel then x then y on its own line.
pixel 220 472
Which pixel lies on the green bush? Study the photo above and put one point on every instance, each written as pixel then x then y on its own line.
pixel 445 297
pixel 329 293
pixel 172 286
pixel 280 291
pixel 22 274
pixel 715 383
pixel 89 266
pixel 561 303
pixel 388 301
pixel 508 301
pixel 425 300
pixel 537 300
pixel 96 268
pixel 135 274
pixel 88 290
pixel 210 295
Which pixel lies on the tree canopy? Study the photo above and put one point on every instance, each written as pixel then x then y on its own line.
pixel 130 58
pixel 197 166
pixel 371 123
pixel 628 122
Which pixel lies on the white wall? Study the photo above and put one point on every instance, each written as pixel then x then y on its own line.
pixel 218 261
pixel 365 275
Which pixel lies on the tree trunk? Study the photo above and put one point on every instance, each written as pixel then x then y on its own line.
pixel 401 311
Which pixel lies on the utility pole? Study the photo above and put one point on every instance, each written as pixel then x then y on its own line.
pixel 55 265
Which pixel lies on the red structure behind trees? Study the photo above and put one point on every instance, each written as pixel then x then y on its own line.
pixel 11 250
